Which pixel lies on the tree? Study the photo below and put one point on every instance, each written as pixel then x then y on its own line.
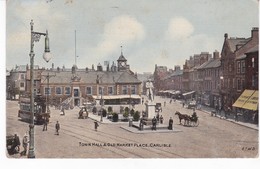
pixel 115 117
pixel 136 116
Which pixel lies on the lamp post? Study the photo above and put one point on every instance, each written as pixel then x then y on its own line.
pixel 98 80
pixel 102 105
pixel 48 76
pixel 35 37
pixel 130 96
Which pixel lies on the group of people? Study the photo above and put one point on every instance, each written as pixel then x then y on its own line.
pixel 155 120
pixel 45 124
pixel 15 147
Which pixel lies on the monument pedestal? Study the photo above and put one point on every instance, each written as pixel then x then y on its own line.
pixel 150 110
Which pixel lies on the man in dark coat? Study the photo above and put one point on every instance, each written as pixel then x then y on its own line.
pixel 161 119
pixel 154 121
pixel 170 123
pixel 57 127
pixel 45 123
pixel 16 143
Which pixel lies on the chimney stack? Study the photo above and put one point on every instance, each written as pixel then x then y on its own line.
pixel 215 55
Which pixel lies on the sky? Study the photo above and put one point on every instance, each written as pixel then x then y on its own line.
pixel 162 32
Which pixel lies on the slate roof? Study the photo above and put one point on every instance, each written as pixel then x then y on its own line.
pixel 90 77
pixel 233 42
pixel 175 73
pixel 251 50
pixel 212 63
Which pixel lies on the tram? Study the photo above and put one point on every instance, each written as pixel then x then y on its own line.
pixel 40 113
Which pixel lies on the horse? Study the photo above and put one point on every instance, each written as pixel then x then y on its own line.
pixel 186 117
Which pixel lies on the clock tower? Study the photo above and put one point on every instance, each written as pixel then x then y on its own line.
pixel 122 62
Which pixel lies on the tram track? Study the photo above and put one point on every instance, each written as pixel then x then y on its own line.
pixel 87 139
pixel 120 139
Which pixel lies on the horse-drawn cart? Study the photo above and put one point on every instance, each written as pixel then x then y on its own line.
pixel 194 121
pixel 188 120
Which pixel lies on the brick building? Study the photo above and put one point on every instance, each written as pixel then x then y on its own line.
pixel 115 84
pixel 160 72
pixel 209 81
pixel 233 65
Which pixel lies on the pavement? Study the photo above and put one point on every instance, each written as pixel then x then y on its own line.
pixel 230 118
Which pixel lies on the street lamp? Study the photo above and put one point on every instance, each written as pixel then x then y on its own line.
pixel 130 96
pixel 101 100
pixel 35 37
pixel 48 76
pixel 102 105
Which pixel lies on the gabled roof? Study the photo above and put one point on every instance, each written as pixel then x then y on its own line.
pixel 233 42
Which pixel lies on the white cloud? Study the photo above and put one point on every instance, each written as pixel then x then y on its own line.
pixel 179 28
pixel 122 30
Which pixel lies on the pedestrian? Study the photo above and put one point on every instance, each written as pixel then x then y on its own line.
pixel 141 125
pixel 157 117
pixel 183 104
pixel 57 127
pixel 16 144
pixel 142 100
pixel 171 101
pixel 62 111
pixel 256 118
pixel 236 116
pixel 154 121
pixel 25 144
pixel 164 103
pixel 96 125
pixel 45 123
pixel 161 119
pixel 170 123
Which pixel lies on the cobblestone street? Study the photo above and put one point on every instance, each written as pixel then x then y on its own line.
pixel 213 138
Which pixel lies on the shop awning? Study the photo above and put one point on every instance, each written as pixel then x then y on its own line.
pixel 252 102
pixel 243 98
pixel 109 97
pixel 248 100
pixel 188 93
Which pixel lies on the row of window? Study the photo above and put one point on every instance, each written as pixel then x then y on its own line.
pixel 89 90
pixel 240 83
